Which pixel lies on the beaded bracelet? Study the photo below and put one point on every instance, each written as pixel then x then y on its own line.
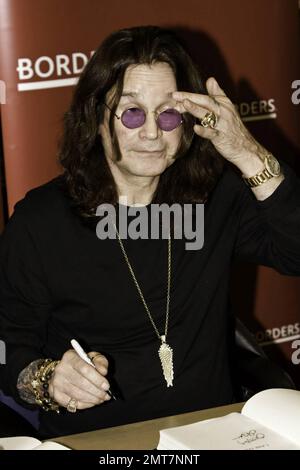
pixel 40 385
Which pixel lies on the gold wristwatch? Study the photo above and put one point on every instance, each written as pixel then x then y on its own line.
pixel 272 169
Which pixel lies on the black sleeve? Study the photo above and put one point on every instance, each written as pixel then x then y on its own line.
pixel 269 230
pixel 24 300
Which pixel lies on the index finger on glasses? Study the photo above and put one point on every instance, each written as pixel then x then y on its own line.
pixel 205 101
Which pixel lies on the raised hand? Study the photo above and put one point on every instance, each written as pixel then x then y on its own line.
pixel 223 127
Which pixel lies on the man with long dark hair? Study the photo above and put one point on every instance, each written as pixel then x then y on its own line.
pixel 152 315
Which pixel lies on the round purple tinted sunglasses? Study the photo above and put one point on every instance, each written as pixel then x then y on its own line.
pixel 167 120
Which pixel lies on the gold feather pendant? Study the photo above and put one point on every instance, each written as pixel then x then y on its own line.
pixel 165 353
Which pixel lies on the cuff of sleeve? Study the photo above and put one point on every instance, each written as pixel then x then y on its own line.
pixel 284 192
pixel 15 364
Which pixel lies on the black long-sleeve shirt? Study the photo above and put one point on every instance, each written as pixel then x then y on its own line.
pixel 59 281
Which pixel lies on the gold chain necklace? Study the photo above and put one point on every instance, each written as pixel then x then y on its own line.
pixel 165 352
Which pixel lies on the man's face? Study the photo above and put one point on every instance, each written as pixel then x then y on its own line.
pixel 147 150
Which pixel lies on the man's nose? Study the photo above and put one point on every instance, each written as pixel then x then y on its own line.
pixel 150 129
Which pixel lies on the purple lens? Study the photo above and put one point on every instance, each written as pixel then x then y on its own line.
pixel 170 119
pixel 133 118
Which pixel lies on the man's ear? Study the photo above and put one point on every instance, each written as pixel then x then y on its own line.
pixel 104 132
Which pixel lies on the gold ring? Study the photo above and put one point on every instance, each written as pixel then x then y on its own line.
pixel 96 355
pixel 72 405
pixel 210 120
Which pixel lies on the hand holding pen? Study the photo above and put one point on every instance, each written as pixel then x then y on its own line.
pixel 77 386
pixel 80 351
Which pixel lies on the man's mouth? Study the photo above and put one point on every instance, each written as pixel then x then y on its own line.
pixel 149 151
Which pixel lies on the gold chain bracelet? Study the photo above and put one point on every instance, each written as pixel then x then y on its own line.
pixel 40 385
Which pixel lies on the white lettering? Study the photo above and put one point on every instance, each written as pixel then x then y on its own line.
pixel 254 107
pixel 263 107
pixel 296 95
pixel 2 92
pixel 138 227
pixel 44 67
pixel 76 57
pixel 118 460
pixel 38 64
pixel 244 109
pixel 271 103
pixel 197 234
pixel 160 222
pixel 25 69
pixel 276 333
pixel 62 62
pixel 284 331
pixel 105 228
pixel 2 352
pixel 296 354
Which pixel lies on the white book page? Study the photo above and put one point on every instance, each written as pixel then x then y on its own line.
pixel 49 445
pixel 277 409
pixel 18 443
pixel 231 432
pixel 29 443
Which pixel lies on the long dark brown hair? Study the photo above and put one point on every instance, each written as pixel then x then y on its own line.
pixel 87 175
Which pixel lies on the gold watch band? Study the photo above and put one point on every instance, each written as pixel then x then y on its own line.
pixel 272 169
pixel 258 179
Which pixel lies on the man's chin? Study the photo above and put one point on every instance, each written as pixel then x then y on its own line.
pixel 147 173
pixel 154 168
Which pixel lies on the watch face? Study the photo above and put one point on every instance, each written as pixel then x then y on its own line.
pixel 273 165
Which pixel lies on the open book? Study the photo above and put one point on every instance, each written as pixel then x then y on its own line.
pixel 270 420
pixel 28 443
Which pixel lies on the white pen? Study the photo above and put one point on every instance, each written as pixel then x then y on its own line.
pixel 80 351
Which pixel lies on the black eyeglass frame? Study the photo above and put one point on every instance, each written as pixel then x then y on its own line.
pixel 120 118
